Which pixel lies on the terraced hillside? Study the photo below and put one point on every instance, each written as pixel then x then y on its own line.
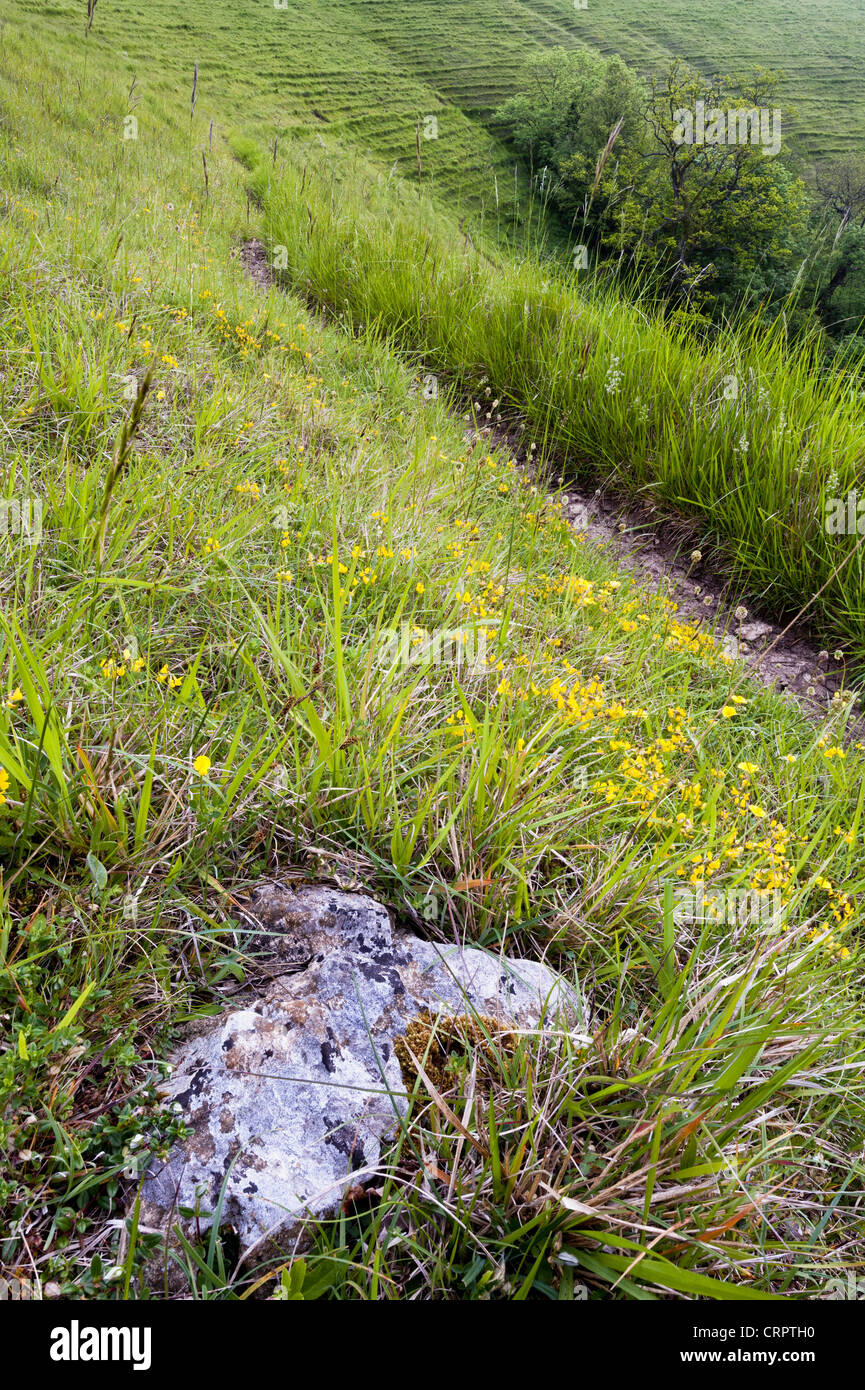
pixel 474 54
pixel 319 70
pixel 411 83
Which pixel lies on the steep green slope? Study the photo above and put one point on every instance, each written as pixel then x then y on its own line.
pixel 365 75
pixel 314 71
pixel 240 506
pixel 473 54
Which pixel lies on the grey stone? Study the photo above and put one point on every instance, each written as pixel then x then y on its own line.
pixel 291 1100
pixel 752 632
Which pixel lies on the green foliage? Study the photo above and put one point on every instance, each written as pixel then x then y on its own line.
pixel 716 226
pixel 844 292
pixel 214 701
pixel 599 381
pixel 567 106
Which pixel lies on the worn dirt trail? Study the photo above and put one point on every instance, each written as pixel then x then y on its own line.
pixel 658 551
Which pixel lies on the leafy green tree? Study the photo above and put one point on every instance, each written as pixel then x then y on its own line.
pixel 712 213
pixel 842 296
pixel 722 215
pixel 840 185
pixel 579 123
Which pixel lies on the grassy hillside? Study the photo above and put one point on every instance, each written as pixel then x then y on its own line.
pixel 473 55
pixel 745 434
pixel 820 48
pixel 238 500
pixel 319 71
pixel 360 74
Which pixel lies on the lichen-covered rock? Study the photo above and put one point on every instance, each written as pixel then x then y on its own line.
pixel 289 1101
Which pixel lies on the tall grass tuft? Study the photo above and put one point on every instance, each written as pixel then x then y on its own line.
pixel 747 434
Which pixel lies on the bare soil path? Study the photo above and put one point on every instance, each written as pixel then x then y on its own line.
pixel 659 552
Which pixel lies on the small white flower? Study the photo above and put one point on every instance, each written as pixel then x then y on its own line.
pixel 613 379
